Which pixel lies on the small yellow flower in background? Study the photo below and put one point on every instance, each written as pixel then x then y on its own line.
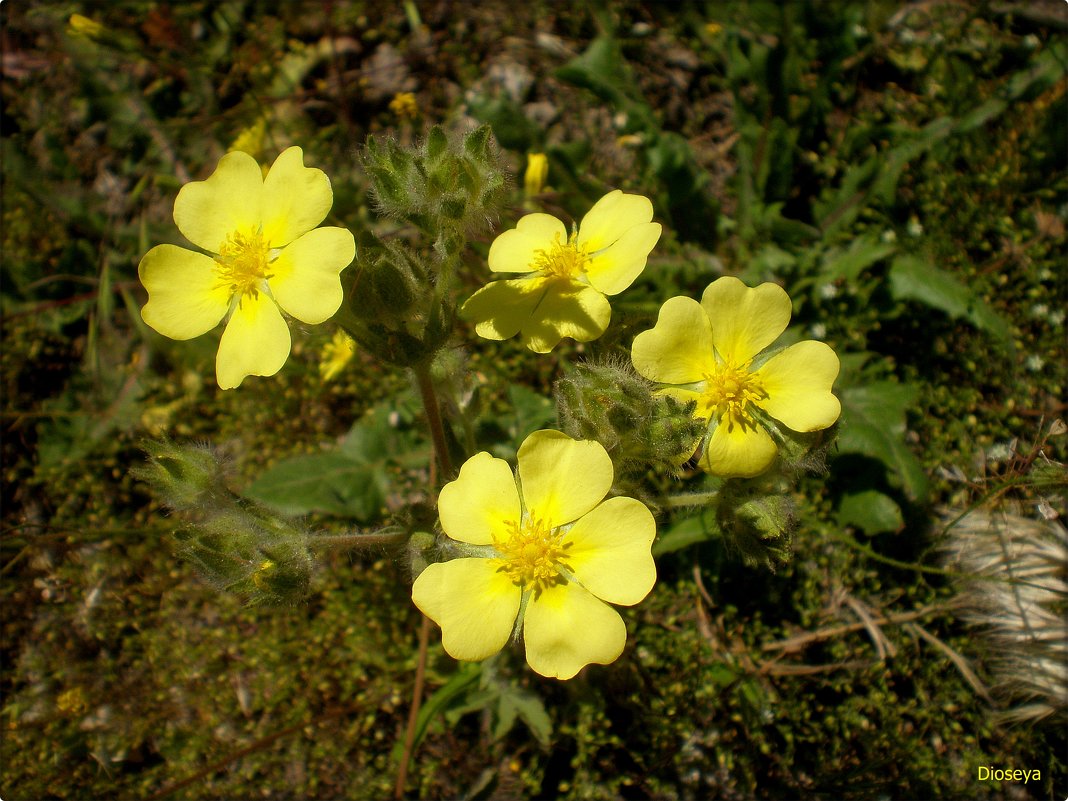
pixel 709 352
pixel 404 105
pixel 555 554
pixel 250 140
pixel 266 258
pixel 72 702
pixel 79 25
pixel 537 172
pixel 568 277
pixel 336 353
pixel 713 28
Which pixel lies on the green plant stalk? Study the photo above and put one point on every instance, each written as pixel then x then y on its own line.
pixel 441 451
pixel 689 499
pixel 433 417
pixel 357 540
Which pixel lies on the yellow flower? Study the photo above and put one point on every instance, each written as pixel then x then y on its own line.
pixel 266 258
pixel 537 172
pixel 250 140
pixel 547 560
pixel 710 353
pixel 404 105
pixel 568 277
pixel 79 25
pixel 336 354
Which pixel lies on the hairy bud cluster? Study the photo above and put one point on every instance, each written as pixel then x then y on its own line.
pixel 612 404
pixel 757 518
pixel 394 313
pixel 236 544
pixel 450 187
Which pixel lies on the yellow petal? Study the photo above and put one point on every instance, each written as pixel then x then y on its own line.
pixel 185 296
pixel 678 349
pixel 481 503
pixel 611 217
pixel 737 451
pixel 566 309
pixel 615 268
pixel 798 381
pixel 255 342
pixel 608 550
pixel 475 605
pixel 566 628
pixel 501 308
pixel 745 321
pixel 562 478
pixel 207 212
pixel 295 198
pixel 515 251
pixel 304 278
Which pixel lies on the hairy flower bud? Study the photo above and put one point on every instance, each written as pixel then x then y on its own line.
pixel 237 545
pixel 610 403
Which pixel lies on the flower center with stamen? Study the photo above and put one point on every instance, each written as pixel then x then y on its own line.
pixel 562 260
pixel 242 263
pixel 728 392
pixel 532 553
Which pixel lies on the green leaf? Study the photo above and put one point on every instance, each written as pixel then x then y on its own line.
pixel 685 533
pixel 912 278
pixel 351 481
pixel 870 510
pixel 847 265
pixel 532 712
pixel 532 410
pixel 466 675
pixel 873 424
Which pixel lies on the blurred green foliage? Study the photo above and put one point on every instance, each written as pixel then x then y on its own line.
pixel 900 169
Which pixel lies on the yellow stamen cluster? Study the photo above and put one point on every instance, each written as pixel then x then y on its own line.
pixel 242 263
pixel 532 554
pixel 562 260
pixel 728 393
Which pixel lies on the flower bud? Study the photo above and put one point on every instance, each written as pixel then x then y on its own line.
pixel 757 518
pixel 612 404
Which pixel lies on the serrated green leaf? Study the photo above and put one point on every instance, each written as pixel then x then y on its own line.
pixel 351 481
pixel 871 511
pixel 507 714
pixel 873 424
pixel 335 483
pixel 848 264
pixel 912 278
pixel 532 712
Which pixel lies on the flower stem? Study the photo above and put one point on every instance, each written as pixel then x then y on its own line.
pixel 441 450
pixel 413 713
pixel 433 417
pixel 691 499
pixel 386 536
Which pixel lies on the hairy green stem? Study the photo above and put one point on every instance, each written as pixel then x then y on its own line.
pixel 387 536
pixel 433 417
pixel 441 450
pixel 691 499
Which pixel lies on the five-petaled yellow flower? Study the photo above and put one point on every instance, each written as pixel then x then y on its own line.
pixel 266 258
pixel 568 277
pixel 545 557
pixel 711 353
